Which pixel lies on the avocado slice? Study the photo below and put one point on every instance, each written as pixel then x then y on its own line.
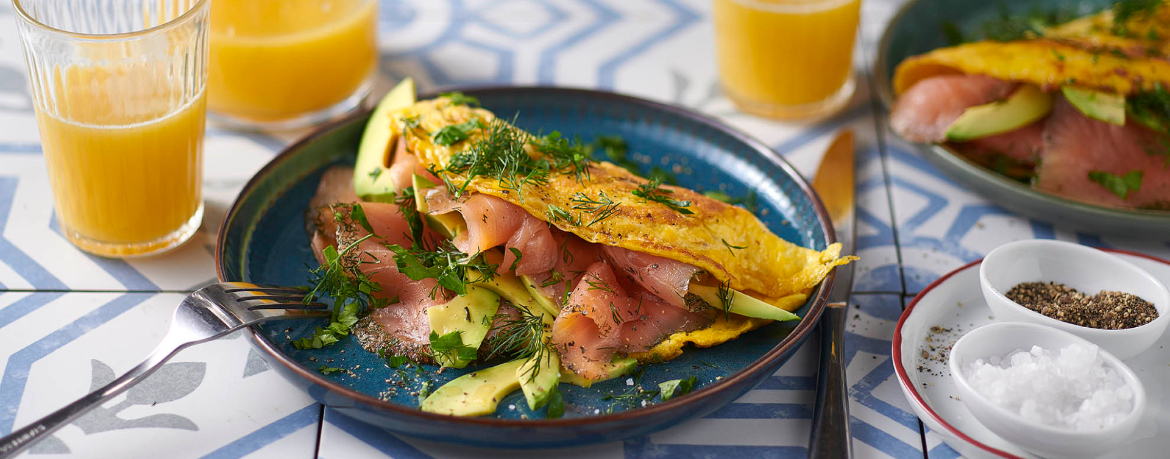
pixel 543 300
pixel 741 303
pixel 618 367
pixel 370 178
pixel 476 393
pixel 538 377
pixel 470 314
pixel 449 224
pixel 1021 108
pixel 1098 105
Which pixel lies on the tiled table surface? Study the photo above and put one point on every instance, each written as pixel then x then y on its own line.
pixel 69 322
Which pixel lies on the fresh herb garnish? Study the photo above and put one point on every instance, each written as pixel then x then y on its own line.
pixel 425 390
pixel 615 151
pixel 730 247
pixel 521 337
pixel 597 284
pixel 455 133
pixel 406 206
pixel 1118 185
pixel 634 397
pixel 676 387
pixel 446 264
pixel 601 208
pixel 519 255
pixel 450 346
pixel 351 290
pixel 556 403
pixel 329 370
pixel 376 172
pixel 1151 108
pixel 499 155
pixel 1125 10
pixel 660 174
pixel 397 360
pixel 569 158
pixel 556 213
pixel 652 191
pixel 458 98
pixel 726 296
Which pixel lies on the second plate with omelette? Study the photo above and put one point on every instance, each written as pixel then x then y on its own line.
pixel 264 240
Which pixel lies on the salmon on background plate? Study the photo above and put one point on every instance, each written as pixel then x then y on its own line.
pixel 1080 109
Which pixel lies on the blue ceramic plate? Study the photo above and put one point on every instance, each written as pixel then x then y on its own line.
pixel 263 239
pixel 921 27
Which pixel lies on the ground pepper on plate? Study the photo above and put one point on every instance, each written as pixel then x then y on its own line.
pixel 1107 310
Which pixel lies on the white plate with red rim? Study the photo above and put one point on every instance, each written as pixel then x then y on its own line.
pixel 954 305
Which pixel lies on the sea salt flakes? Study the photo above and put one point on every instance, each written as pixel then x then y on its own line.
pixel 1074 389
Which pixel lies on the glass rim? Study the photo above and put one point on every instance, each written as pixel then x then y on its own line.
pixel 789 6
pixel 23 15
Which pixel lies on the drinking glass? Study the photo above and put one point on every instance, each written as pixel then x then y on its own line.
pixel 786 59
pixel 118 90
pixel 285 64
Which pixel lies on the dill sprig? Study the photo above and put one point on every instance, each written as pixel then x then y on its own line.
pixel 726 296
pixel 445 263
pixel 351 290
pixel 521 337
pixel 555 213
pixel 499 155
pixel 569 158
pixel 632 397
pixel 601 207
pixel 1151 108
pixel 653 191
pixel 730 247
pixel 414 221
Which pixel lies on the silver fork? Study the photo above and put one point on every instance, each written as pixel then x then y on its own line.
pixel 206 314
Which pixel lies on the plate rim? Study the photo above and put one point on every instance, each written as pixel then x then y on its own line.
pixel 914 397
pixel 797 335
pixel 881 67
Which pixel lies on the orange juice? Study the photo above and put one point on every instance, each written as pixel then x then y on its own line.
pixel 274 60
pixel 784 57
pixel 124 162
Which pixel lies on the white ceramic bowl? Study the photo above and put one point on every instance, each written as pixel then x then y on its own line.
pixel 1000 339
pixel 1084 268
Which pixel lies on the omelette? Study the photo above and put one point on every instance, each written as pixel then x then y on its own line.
pixel 1080 109
pixel 496 243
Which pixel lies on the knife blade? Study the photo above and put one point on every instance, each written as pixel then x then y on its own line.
pixel 830 436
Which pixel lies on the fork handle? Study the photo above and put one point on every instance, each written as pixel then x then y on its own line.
pixel 22 438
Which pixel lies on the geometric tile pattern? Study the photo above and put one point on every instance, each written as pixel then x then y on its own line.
pixel 70 321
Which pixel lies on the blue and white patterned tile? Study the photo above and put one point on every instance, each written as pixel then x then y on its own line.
pixel 215 398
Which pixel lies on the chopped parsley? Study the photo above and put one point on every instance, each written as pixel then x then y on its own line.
pixel 1118 185
pixel 446 264
pixel 455 133
pixel 674 387
pixel 458 98
pixel 376 172
pixel 329 370
pixel 519 256
pixel 653 191
pixel 450 346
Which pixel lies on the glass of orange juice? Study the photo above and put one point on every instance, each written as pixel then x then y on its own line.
pixel 284 64
pixel 119 93
pixel 786 59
